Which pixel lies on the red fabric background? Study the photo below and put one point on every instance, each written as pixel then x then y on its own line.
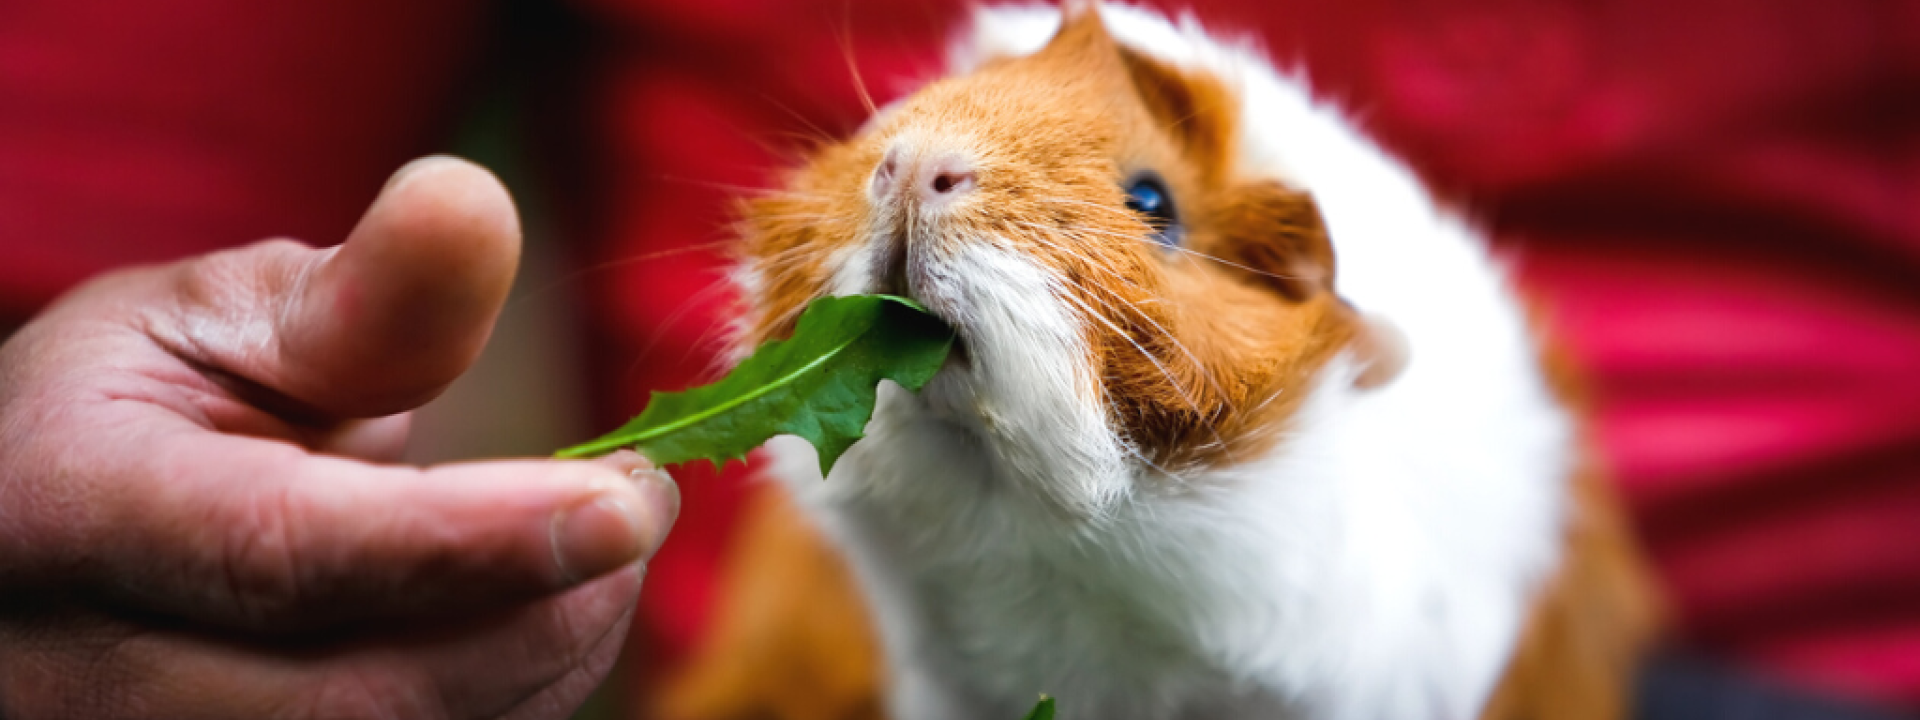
pixel 1720 200
pixel 138 132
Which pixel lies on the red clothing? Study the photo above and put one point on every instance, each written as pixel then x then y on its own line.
pixel 1720 200
pixel 139 132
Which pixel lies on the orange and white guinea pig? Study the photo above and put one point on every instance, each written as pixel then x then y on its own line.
pixel 1243 422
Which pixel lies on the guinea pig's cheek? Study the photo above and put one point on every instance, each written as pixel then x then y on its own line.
pixel 949 396
pixel 961 359
pixel 1009 317
pixel 854 269
pixel 1026 386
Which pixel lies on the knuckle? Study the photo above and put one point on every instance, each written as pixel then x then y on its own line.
pixel 261 569
pixel 225 290
pixel 226 270
pixel 213 280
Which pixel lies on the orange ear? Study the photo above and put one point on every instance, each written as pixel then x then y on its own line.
pixel 1074 9
pixel 1082 40
pixel 1276 233
pixel 1194 111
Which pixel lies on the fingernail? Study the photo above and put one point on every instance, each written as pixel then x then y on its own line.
pixel 626 462
pixel 604 533
pixel 662 492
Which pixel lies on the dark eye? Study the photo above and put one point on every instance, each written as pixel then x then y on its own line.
pixel 1148 196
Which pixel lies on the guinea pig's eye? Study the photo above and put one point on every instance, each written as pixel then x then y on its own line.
pixel 1148 196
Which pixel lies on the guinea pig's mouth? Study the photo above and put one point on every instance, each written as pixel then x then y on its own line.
pixel 891 278
pixel 960 358
pixel 890 273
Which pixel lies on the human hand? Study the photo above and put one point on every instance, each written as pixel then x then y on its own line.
pixel 195 521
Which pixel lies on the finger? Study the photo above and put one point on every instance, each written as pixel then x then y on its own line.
pixel 375 326
pixel 564 685
pixel 551 652
pixel 273 539
pixel 551 643
pixel 568 692
pixel 413 293
pixel 382 439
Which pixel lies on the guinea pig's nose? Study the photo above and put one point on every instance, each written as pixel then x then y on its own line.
pixel 943 179
pixel 886 175
pixel 933 178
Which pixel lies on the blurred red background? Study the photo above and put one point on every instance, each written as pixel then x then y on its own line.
pixel 1719 201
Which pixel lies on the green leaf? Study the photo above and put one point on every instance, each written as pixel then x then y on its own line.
pixel 1042 710
pixel 819 384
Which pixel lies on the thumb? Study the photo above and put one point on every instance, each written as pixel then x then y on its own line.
pixel 379 324
pixel 404 306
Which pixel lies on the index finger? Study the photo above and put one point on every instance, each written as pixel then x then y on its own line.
pixel 270 538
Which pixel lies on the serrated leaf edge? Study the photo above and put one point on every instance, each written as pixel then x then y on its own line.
pixel 612 442
pixel 608 445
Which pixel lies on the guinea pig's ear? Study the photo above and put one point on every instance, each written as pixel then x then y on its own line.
pixel 1276 233
pixel 1082 39
pixel 1194 109
pixel 1072 10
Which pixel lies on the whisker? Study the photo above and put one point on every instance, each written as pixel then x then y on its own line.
pixel 1268 400
pixel 741 189
pixel 806 217
pixel 660 330
pixel 1205 373
pixel 680 311
pixel 1232 264
pixel 717 355
pixel 1151 358
pixel 1225 398
pixel 1177 248
pixel 1201 367
pixel 1089 260
pixel 790 314
pixel 844 35
pixel 818 135
pixel 575 276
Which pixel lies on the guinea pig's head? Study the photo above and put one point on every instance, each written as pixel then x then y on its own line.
pixel 1130 304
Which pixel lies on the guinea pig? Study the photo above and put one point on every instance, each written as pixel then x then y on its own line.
pixel 1242 423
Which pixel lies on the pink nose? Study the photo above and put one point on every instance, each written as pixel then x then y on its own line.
pixel 936 180
pixel 944 178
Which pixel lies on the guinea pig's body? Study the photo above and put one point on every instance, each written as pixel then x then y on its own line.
pixel 1183 468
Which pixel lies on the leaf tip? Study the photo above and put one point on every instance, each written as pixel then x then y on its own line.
pixel 1042 710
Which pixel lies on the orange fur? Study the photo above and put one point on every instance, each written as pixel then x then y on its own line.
pixel 1589 625
pixel 1598 614
pixel 1193 346
pixel 790 644
pixel 1199 354
pixel 790 640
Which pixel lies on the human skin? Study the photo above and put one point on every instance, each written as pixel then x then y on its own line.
pixel 200 516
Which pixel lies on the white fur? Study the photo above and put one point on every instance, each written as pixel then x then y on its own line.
pixel 1377 566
